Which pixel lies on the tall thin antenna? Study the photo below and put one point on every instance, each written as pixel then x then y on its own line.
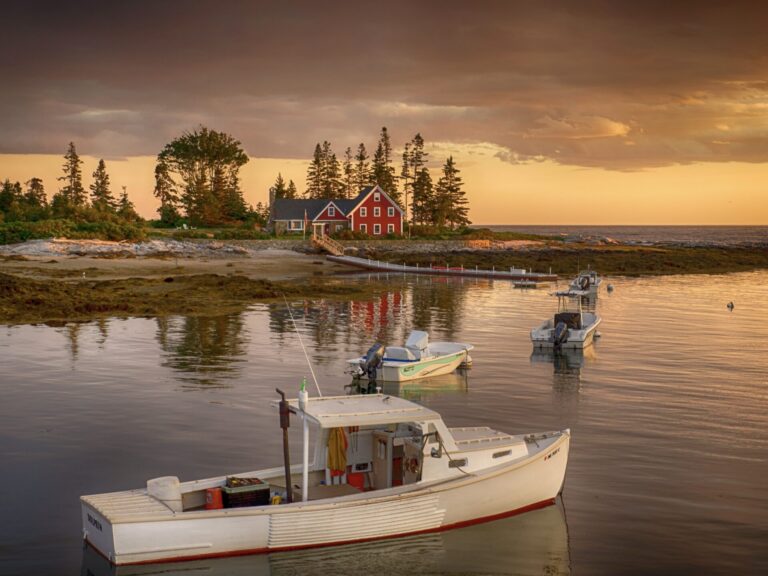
pixel 302 346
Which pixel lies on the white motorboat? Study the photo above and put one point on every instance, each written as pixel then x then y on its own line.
pixel 587 281
pixel 403 471
pixel 570 327
pixel 419 358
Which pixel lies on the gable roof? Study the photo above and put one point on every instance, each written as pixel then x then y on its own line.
pixel 367 191
pixel 293 209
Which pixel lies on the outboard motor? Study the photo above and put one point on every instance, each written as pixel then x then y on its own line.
pixel 560 335
pixel 584 282
pixel 373 359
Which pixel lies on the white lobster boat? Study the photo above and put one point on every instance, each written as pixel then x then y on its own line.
pixel 588 281
pixel 406 472
pixel 419 358
pixel 568 328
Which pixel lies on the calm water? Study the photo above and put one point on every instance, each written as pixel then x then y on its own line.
pixel 688 235
pixel 668 410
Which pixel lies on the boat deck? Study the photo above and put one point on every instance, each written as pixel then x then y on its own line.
pixel 481 437
pixel 127 506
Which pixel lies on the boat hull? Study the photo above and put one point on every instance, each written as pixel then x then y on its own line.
pixel 505 490
pixel 577 339
pixel 406 371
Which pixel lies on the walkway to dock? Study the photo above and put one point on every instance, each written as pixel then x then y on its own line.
pixel 505 274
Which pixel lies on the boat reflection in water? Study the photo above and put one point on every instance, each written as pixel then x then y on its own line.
pixel 567 365
pixel 455 382
pixel 533 543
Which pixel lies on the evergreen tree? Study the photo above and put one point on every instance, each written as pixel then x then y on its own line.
pixel 315 174
pixel 125 207
pixel 405 175
pixel 349 172
pixel 72 194
pixel 331 173
pixel 450 206
pixel 101 196
pixel 362 170
pixel 279 188
pixel 35 201
pixel 423 203
pixel 11 201
pixel 291 192
pixel 165 191
pixel 416 161
pixel 383 171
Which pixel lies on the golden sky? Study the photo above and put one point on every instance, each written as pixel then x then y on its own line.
pixel 587 112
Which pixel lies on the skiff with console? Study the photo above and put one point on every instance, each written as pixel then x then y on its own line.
pixel 419 358
pixel 382 467
pixel 570 327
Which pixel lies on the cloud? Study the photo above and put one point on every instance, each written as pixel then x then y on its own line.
pixel 599 84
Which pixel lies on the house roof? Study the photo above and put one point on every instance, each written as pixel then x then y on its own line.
pixel 363 410
pixel 293 209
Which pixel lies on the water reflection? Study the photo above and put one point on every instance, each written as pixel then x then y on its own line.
pixel 567 364
pixel 534 543
pixel 206 351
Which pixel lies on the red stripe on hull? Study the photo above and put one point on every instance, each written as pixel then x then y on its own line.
pixel 464 524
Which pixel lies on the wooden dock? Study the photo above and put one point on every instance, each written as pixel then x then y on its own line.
pixel 501 274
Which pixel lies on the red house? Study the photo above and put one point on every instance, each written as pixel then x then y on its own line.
pixel 372 212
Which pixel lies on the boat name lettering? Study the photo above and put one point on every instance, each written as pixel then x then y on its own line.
pixel 95 522
pixel 548 456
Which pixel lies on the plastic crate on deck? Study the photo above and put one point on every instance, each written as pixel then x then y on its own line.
pixel 241 492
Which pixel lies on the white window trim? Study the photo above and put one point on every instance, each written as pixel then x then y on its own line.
pixel 339 227
pixel 391 211
pixel 390 228
pixel 364 228
pixel 377 197
pixel 377 229
pixel 331 212
pixel 363 212
pixel 295 224
pixel 376 211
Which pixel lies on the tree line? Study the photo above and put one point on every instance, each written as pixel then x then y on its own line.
pixel 71 201
pixel 426 204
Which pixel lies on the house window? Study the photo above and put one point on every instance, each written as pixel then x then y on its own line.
pixel 377 211
pixel 331 212
pixel 339 227
pixel 296 225
pixel 391 211
pixel 376 229
pixel 390 228
pixel 376 197
pixel 363 228
pixel 363 212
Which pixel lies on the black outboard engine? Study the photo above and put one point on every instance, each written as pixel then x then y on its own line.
pixel 560 335
pixel 373 359
pixel 584 282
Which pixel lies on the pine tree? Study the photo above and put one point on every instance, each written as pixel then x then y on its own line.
pixel 405 175
pixel 417 160
pixel 291 192
pixel 73 193
pixel 362 169
pixel 165 191
pixel 423 198
pixel 10 200
pixel 278 189
pixel 125 207
pixel 383 171
pixel 450 204
pixel 315 174
pixel 101 197
pixel 331 173
pixel 349 172
pixel 35 195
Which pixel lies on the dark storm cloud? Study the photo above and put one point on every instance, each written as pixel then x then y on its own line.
pixel 586 83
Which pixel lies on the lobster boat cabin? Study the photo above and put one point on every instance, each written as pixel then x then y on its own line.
pixel 381 467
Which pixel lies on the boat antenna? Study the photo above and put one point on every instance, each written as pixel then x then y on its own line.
pixel 302 346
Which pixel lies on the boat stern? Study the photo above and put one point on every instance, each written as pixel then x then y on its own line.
pixel 97 529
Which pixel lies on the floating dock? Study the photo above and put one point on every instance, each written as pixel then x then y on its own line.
pixel 501 274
